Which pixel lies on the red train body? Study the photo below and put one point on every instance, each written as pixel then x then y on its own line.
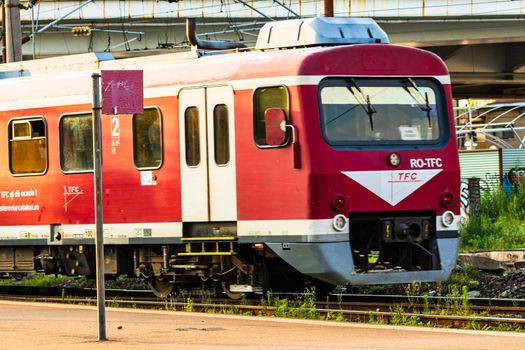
pixel 363 188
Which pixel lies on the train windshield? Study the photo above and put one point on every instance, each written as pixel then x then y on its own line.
pixel 381 111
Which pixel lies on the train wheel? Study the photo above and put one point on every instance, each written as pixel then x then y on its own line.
pixel 161 288
pixel 18 276
pixel 231 295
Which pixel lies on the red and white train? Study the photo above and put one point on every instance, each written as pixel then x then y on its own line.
pixel 325 153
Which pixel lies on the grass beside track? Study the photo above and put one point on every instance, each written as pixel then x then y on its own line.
pixel 501 224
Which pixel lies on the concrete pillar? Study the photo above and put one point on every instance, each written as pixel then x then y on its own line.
pixel 13 31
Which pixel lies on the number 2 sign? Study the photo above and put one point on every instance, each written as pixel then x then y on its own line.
pixel 115 134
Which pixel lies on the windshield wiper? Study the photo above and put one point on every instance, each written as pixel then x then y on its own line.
pixel 421 100
pixel 364 101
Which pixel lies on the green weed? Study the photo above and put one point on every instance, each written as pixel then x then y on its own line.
pixel 465 300
pixel 188 307
pixel 501 224
pixel 114 302
pixel 401 318
pixel 474 325
pixel 508 327
pixel 372 319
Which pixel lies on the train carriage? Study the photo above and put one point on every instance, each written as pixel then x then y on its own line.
pixel 325 153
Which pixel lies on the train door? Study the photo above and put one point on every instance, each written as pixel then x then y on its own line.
pixel 207 154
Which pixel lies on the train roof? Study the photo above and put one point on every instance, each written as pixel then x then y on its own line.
pixel 41 81
pixel 169 70
pixel 296 33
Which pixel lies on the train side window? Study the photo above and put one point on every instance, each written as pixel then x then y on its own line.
pixel 27 146
pixel 192 136
pixel 147 139
pixel 264 98
pixel 76 142
pixel 221 134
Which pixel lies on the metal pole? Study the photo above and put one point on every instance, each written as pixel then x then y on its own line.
pixel 474 197
pixel 27 38
pixel 64 16
pixel 33 43
pixel 99 240
pixel 4 51
pixel 329 8
pixel 254 9
pixel 286 7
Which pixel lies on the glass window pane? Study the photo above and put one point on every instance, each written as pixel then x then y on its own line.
pixel 21 129
pixel 264 98
pixel 191 126
pixel 380 110
pixel 147 139
pixel 38 128
pixel 76 142
pixel 221 134
pixel 28 156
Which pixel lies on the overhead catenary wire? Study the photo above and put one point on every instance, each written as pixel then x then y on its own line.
pixel 369 12
pixel 262 7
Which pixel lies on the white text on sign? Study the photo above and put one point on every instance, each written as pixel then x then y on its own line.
pixel 419 163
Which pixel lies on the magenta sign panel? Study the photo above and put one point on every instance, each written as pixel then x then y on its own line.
pixel 122 92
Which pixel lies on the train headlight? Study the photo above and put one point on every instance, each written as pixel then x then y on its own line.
pixel 394 159
pixel 447 218
pixel 340 222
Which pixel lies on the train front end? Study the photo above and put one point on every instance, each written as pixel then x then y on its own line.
pixel 378 131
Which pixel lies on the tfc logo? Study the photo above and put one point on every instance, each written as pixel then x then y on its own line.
pixel 407 176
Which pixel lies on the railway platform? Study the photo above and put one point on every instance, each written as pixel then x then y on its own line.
pixel 61 326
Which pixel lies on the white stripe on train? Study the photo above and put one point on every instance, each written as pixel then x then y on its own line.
pixel 56 98
pixel 114 233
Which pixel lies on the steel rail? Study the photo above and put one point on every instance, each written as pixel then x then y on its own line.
pixel 373 316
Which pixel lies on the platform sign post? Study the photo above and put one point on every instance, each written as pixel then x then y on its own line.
pixel 99 225
pixel 122 93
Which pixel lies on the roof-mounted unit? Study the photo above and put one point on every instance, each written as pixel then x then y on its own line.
pixel 320 31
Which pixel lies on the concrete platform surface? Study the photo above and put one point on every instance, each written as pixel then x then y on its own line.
pixel 52 326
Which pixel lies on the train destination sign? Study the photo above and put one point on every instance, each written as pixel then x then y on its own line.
pixel 122 92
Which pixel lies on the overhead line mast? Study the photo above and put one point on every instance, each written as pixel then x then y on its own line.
pixel 13 31
pixel 329 8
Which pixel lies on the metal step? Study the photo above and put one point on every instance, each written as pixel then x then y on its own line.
pixel 208 246
pixel 208 239
pixel 189 267
pixel 205 253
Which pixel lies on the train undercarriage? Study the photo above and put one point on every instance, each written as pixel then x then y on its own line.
pixel 197 266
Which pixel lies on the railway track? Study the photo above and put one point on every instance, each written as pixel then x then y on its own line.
pixel 398 316
pixel 480 313
pixel 422 304
pixel 350 301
